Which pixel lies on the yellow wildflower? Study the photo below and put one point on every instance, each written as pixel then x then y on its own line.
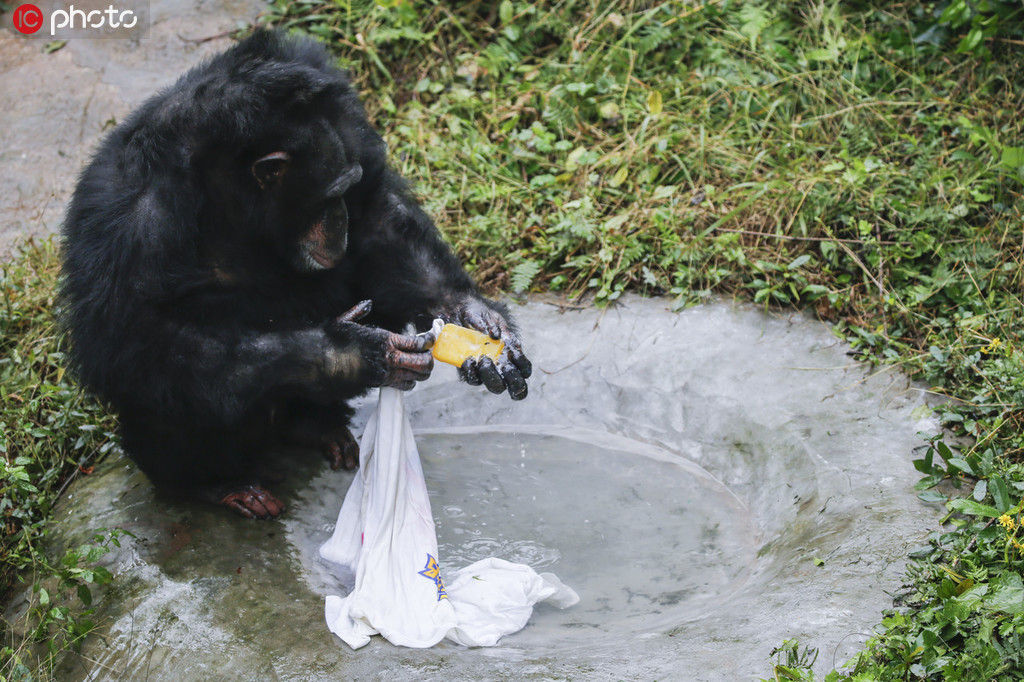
pixel 992 346
pixel 1007 522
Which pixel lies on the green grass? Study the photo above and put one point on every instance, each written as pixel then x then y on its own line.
pixel 49 431
pixel 862 159
pixel 49 434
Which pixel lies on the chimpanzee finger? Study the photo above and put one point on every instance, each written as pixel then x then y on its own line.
pixel 416 365
pixel 521 362
pixel 429 337
pixel 357 312
pixel 515 382
pixel 490 376
pixel 413 344
pixel 468 372
pixel 484 320
pixel 494 327
pixel 404 379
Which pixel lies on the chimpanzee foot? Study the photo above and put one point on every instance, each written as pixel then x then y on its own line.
pixel 341 449
pixel 252 502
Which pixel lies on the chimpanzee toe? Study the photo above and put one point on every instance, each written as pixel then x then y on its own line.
pixel 253 502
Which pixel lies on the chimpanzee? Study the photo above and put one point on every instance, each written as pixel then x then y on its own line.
pixel 239 262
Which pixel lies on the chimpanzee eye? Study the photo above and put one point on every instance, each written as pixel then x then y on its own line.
pixel 271 168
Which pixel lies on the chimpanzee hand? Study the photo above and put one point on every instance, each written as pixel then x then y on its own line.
pixel 513 367
pixel 392 359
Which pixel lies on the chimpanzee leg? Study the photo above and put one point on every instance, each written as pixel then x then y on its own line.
pixel 325 428
pixel 208 464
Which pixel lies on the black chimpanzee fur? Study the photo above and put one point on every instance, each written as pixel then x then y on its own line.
pixel 217 249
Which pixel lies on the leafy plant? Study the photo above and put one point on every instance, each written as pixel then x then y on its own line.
pixel 793 662
pixel 57 621
pixel 49 434
pixel 977 23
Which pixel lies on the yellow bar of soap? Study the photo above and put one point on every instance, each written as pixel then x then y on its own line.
pixel 454 344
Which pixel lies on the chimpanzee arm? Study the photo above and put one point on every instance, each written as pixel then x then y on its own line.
pixel 403 264
pixel 216 373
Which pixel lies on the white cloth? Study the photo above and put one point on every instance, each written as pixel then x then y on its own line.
pixel 385 533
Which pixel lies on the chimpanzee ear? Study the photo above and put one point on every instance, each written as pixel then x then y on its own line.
pixel 269 169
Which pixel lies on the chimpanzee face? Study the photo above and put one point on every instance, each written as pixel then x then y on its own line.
pixel 302 186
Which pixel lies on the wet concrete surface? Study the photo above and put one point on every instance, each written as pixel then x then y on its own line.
pixel 807 453
pixel 57 106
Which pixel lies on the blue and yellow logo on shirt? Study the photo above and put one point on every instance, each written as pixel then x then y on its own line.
pixel 432 571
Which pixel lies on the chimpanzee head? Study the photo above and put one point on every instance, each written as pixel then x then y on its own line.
pixel 301 187
pixel 291 140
